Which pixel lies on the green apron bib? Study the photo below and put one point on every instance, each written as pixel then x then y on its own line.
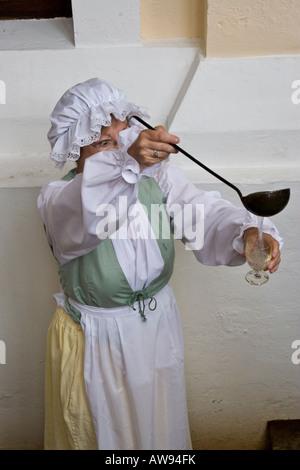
pixel 96 278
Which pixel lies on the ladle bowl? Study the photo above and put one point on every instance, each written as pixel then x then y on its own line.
pixel 266 203
pixel 263 203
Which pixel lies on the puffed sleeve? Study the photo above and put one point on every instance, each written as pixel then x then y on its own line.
pixel 209 225
pixel 72 211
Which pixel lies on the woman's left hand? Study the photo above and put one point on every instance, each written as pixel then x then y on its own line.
pixel 252 234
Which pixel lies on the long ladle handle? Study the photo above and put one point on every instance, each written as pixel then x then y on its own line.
pixel 193 159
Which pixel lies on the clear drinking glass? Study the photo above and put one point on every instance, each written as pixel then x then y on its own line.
pixel 258 254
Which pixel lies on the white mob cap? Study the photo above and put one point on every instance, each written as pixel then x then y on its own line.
pixel 80 113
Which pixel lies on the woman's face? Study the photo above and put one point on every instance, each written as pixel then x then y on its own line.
pixel 108 140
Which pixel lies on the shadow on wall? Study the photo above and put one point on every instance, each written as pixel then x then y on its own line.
pixel 27 280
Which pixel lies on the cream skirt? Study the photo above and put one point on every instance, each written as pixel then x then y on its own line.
pixel 68 421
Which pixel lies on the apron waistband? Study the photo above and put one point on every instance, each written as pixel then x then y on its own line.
pixel 139 301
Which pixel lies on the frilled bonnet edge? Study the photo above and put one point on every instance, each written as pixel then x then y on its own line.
pixel 81 112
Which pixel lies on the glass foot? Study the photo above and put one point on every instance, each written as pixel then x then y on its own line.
pixel 257 278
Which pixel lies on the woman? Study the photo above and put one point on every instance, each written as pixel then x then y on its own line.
pixel 115 367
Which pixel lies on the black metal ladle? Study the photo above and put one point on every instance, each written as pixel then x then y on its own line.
pixel 263 203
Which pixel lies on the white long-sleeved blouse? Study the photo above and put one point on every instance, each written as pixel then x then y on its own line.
pixel 80 213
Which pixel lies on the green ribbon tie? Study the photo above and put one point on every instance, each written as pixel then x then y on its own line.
pixel 140 296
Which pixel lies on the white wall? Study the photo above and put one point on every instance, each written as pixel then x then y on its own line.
pixel 236 116
pixel 238 341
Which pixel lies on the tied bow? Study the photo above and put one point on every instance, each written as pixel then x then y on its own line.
pixel 140 297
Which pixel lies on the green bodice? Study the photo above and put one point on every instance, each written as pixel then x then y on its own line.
pixel 96 278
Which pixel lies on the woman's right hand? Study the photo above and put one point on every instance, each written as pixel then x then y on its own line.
pixel 153 146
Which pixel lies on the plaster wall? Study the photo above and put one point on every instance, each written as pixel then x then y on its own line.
pixel 237 115
pixel 172 19
pixel 231 28
pixel 103 22
pixel 238 28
